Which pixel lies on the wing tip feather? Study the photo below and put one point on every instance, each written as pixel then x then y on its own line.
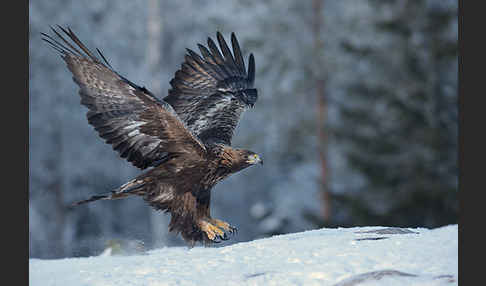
pixel 251 69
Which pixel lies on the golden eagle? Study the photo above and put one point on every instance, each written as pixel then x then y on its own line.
pixel 185 138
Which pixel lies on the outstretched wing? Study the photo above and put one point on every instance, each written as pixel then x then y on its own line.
pixel 209 93
pixel 142 128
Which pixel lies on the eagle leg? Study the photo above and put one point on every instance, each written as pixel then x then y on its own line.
pixel 215 230
pixel 224 225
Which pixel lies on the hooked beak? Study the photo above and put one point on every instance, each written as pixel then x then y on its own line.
pixel 255 159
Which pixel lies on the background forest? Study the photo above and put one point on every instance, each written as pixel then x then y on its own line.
pixel 357 117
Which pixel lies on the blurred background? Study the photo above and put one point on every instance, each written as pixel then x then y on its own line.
pixel 357 118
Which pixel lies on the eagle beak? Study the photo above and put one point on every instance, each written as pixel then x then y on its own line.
pixel 259 160
pixel 255 159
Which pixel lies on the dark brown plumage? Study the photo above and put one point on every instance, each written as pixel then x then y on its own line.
pixel 184 139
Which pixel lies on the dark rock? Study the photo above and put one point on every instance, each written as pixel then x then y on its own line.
pixel 389 230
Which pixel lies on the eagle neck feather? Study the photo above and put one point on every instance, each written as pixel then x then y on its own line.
pixel 224 162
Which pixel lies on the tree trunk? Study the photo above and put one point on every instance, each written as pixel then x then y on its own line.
pixel 321 113
pixel 159 222
pixel 57 215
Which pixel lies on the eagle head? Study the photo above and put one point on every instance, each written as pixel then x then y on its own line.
pixel 234 160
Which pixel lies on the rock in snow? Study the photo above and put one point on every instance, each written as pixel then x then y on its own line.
pixel 337 256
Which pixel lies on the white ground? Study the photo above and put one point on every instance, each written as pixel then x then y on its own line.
pixel 342 256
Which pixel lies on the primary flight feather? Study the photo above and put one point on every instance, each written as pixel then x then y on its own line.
pixel 185 138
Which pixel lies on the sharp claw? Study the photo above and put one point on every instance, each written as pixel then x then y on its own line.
pixel 219 227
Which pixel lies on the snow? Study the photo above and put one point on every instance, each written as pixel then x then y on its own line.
pixel 329 256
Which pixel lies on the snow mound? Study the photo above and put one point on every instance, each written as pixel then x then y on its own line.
pixel 337 256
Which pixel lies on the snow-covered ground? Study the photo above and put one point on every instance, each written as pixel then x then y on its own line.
pixel 337 256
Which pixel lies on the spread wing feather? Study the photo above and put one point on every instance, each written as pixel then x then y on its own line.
pixel 143 129
pixel 210 91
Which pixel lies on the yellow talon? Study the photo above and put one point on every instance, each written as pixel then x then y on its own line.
pixel 221 224
pixel 224 225
pixel 211 231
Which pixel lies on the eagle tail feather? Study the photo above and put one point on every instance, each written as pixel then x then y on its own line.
pixel 127 190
